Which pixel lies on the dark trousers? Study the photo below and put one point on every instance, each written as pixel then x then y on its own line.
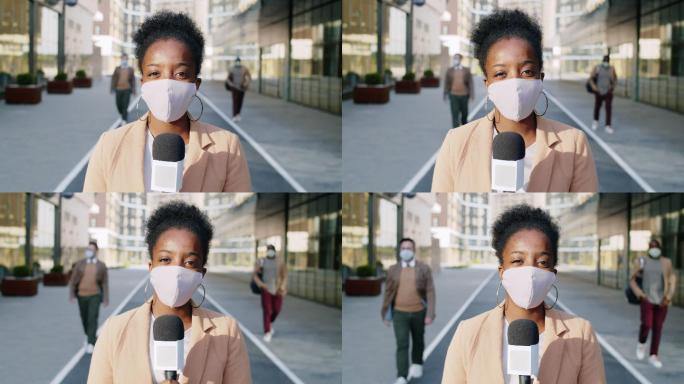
pixel 238 97
pixel 598 100
pixel 459 110
pixel 409 324
pixel 89 307
pixel 271 306
pixel 123 97
pixel 652 317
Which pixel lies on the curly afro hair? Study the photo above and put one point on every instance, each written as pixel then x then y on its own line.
pixel 179 215
pixel 169 25
pixel 521 217
pixel 502 24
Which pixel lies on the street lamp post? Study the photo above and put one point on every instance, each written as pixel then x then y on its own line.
pixel 32 38
pixel 60 39
pixel 28 254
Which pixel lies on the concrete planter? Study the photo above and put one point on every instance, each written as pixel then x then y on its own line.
pixel 371 94
pixel 429 82
pixel 63 87
pixel 363 286
pixel 29 94
pixel 407 86
pixel 85 82
pixel 55 279
pixel 25 286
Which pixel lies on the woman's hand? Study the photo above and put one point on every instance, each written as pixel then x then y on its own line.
pixel 666 301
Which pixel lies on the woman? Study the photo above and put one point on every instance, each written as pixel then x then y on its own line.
pixel 169 50
pixel 178 237
pixel 557 157
pixel 658 284
pixel 270 274
pixel 526 243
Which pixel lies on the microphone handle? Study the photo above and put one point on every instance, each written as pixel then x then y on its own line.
pixel 171 375
pixel 524 379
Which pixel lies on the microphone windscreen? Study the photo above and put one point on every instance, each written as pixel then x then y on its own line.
pixel 523 332
pixel 508 146
pixel 168 147
pixel 168 328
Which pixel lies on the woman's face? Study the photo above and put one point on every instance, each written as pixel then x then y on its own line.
pixel 178 247
pixel 511 58
pixel 169 59
pixel 527 248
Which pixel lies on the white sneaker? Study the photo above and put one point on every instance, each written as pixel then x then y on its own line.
pixel 237 118
pixel 655 362
pixel 641 351
pixel 416 371
pixel 401 380
pixel 609 130
pixel 594 125
pixel 89 349
pixel 268 336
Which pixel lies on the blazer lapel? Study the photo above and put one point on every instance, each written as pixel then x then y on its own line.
pixel 479 159
pixel 196 159
pixel 489 353
pixel 138 345
pixel 550 366
pixel 197 351
pixel 132 157
pixel 540 178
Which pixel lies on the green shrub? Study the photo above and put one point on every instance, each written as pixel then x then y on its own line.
pixel 80 74
pixel 388 72
pixel 428 74
pixel 21 271
pixel 409 76
pixel 365 271
pixel 40 72
pixel 57 269
pixel 373 79
pixel 352 74
pixel 61 76
pixel 25 79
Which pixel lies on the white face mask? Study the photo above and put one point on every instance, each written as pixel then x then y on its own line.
pixel 174 285
pixel 168 99
pixel 406 254
pixel 527 286
pixel 457 62
pixel 515 98
pixel 654 252
pixel 124 63
pixel 89 253
pixel 270 253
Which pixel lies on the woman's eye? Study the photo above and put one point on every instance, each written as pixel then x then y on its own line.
pixel 499 74
pixel 528 72
pixel 151 74
pixel 164 259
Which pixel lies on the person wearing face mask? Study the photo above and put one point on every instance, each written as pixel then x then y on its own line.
pixel 658 284
pixel 178 236
pixel 408 305
pixel 526 243
pixel 238 83
pixel 123 84
pixel 508 45
pixel 169 51
pixel 603 80
pixel 89 284
pixel 458 87
pixel 273 284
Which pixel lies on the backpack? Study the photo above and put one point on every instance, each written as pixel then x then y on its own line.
pixel 629 293
pixel 252 284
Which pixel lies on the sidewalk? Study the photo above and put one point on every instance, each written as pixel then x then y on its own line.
pixel 305 141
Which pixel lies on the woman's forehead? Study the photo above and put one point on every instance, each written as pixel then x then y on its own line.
pixel 511 50
pixel 168 51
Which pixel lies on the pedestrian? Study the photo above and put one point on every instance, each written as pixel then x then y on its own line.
pixel 89 284
pixel 238 83
pixel 458 87
pixel 178 236
pixel 658 284
pixel 525 240
pixel 508 45
pixel 123 84
pixel 409 305
pixel 169 48
pixel 603 80
pixel 273 284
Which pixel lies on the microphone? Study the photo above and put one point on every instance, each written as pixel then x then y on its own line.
pixel 508 162
pixel 168 354
pixel 168 152
pixel 523 350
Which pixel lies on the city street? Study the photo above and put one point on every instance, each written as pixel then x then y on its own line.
pixel 464 293
pixel 287 145
pixel 401 138
pixel 47 328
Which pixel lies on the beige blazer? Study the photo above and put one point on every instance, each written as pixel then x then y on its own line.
pixel 570 351
pixel 563 162
pixel 217 355
pixel 215 161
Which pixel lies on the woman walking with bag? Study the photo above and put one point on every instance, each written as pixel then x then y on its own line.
pixel 270 274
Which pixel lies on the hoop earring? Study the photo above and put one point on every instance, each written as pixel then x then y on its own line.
pixel 201 111
pixel 204 294
pixel 555 301
pixel 497 295
pixel 547 105
pixel 137 111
